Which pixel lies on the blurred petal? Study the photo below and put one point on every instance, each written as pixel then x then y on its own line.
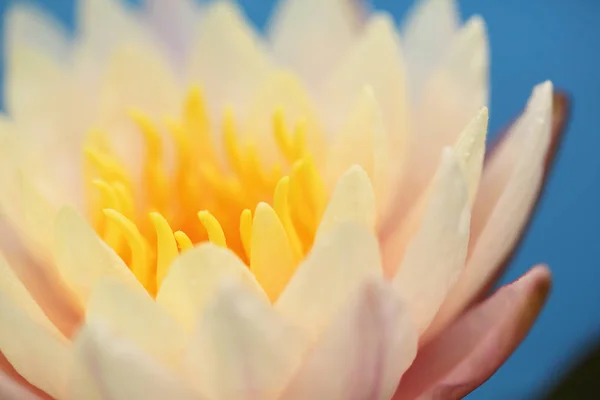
pixel 509 186
pixel 227 58
pixel 28 335
pixel 131 314
pixel 455 92
pixel 11 390
pixel 352 201
pixel 475 346
pixel 362 353
pixel 111 368
pixel 313 43
pixel 242 348
pixel 436 255
pixel 427 32
pixel 339 263
pixel 82 258
pixel 194 278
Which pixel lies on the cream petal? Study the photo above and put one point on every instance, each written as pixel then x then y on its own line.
pixel 111 368
pixel 509 185
pixel 242 348
pixel 11 390
pixel 29 335
pixel 338 264
pixel 362 353
pixel 227 58
pixel 426 33
pixel 455 91
pixel 352 201
pixel 313 43
pixel 131 314
pixel 271 258
pixel 282 90
pixel 436 255
pixel 375 60
pixel 82 258
pixel 195 276
pixel 362 140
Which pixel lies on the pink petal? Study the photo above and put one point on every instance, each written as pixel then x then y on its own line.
pixel 14 387
pixel 473 348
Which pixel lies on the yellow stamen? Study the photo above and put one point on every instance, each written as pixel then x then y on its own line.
pixel 183 241
pixel 166 247
pixel 281 207
pixel 110 199
pixel 139 252
pixel 213 228
pixel 246 230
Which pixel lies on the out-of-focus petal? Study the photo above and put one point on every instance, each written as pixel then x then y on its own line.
pixel 427 32
pixel 195 276
pixel 509 185
pixel 82 258
pixel 12 390
pixel 375 60
pixel 339 263
pixel 110 368
pixel 455 91
pixel 131 314
pixel 227 58
pixel 362 353
pixel 470 351
pixel 313 43
pixel 28 335
pixel 352 200
pixel 242 348
pixel 362 140
pixel 436 255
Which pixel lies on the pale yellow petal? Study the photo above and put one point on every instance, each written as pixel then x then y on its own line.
pixel 116 369
pixel 131 314
pixel 362 140
pixel 436 254
pixel 28 335
pixel 271 258
pixel 375 60
pixel 427 32
pixel 10 389
pixel 470 150
pixel 363 352
pixel 82 258
pixel 509 185
pixel 352 201
pixel 313 43
pixel 242 349
pixel 338 264
pixel 194 278
pixel 227 57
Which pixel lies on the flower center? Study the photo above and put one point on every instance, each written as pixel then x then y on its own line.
pixel 229 201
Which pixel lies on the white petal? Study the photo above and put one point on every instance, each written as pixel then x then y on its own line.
pixel 12 390
pixel 510 183
pixel 131 314
pixel 82 258
pixel 114 369
pixel 376 60
pixel 435 257
pixel 426 33
pixel 352 201
pixel 362 140
pixel 28 335
pixel 363 352
pixel 338 264
pixel 310 42
pixel 455 92
pixel 242 348
pixel 195 276
pixel 227 58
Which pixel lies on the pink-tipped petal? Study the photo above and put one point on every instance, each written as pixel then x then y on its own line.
pixel 474 347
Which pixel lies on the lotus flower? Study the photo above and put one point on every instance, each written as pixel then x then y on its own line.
pixel 192 211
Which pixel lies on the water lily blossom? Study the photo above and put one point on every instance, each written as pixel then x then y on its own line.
pixel 191 210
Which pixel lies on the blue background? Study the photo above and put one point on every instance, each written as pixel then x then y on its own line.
pixel 534 40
